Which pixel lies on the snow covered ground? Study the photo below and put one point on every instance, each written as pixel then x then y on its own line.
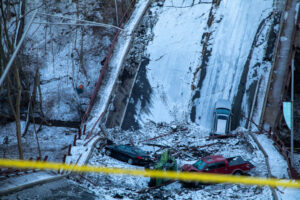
pixel 53 141
pixel 278 168
pixel 61 189
pixel 237 41
pixel 67 56
pixel 185 146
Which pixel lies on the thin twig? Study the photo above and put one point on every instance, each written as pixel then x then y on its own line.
pixel 81 20
pixel 71 24
pixel 169 133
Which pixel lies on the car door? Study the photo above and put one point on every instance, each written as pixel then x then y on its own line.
pixel 123 153
pixel 221 168
pixel 210 168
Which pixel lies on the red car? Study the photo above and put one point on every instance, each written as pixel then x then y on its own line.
pixel 220 165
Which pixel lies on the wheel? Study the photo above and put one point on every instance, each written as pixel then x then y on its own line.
pixel 152 182
pixel 246 174
pixel 108 152
pixel 130 161
pixel 186 184
pixel 192 185
pixel 149 166
pixel 238 173
pixel 196 184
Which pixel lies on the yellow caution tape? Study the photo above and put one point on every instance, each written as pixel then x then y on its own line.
pixel 184 176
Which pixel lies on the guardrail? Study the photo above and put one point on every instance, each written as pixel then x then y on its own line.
pixel 274 194
pixel 9 172
pixel 280 146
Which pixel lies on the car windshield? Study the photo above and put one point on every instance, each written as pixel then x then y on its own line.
pixel 200 164
pixel 222 117
pixel 132 149
pixel 223 111
pixel 139 151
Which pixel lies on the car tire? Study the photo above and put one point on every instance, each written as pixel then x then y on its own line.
pixel 108 153
pixel 238 173
pixel 152 182
pixel 148 166
pixel 186 185
pixel 130 161
pixel 192 185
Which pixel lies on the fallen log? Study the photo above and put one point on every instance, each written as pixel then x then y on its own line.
pixel 169 133
pixel 47 122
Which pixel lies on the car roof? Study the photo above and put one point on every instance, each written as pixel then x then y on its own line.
pixel 223 103
pixel 221 126
pixel 127 147
pixel 212 159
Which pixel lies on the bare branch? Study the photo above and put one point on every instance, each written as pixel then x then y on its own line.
pixel 81 20
pixel 70 24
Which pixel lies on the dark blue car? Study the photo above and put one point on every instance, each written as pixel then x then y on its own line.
pixel 130 154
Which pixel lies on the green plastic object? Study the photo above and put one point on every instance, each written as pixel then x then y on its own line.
pixel 165 163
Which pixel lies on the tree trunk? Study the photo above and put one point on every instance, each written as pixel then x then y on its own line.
pixel 35 132
pixel 18 100
pixel 31 102
pixel 16 113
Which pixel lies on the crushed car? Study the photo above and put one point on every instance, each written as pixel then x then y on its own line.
pixel 222 118
pixel 219 165
pixel 130 154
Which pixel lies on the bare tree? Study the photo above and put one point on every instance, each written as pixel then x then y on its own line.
pixel 8 43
